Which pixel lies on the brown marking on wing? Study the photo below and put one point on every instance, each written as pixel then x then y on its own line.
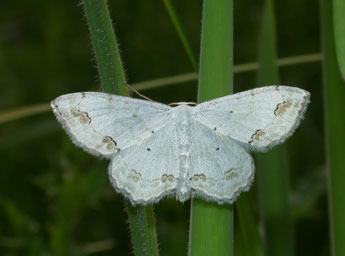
pixel 111 143
pixel 256 136
pixel 83 116
pixel 282 107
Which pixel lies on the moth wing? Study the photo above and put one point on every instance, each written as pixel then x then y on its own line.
pixel 260 118
pixel 103 124
pixel 219 167
pixel 147 171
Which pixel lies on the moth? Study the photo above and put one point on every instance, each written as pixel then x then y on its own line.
pixel 184 151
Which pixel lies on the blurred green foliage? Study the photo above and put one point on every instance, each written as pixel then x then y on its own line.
pixel 56 199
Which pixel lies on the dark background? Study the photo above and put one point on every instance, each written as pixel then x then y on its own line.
pixel 56 199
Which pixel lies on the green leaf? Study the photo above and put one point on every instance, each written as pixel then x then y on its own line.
pixel 212 224
pixel 334 98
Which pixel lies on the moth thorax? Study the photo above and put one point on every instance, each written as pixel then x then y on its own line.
pixel 183 194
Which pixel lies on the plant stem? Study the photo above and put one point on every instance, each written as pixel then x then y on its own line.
pixel 334 98
pixel 142 226
pixel 106 50
pixel 211 224
pixel 113 79
pixel 272 166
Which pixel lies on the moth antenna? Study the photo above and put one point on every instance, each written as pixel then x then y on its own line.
pixel 138 93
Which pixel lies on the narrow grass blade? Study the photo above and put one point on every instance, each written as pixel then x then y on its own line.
pixel 248 242
pixel 273 179
pixel 11 115
pixel 268 70
pixel 177 23
pixel 339 33
pixel 272 171
pixel 211 227
pixel 334 98
pixel 113 80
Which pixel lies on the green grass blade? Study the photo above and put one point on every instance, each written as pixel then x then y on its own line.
pixel 334 97
pixel 272 167
pixel 113 80
pixel 211 229
pixel 212 225
pixel 274 202
pixel 216 55
pixel 247 241
pixel 268 70
pixel 339 33
pixel 177 23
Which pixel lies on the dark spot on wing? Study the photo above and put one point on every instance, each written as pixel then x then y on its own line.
pixel 148 149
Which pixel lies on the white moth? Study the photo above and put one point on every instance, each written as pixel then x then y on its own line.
pixel 183 151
